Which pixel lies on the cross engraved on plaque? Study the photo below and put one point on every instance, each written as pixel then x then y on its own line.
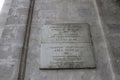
pixel 66 46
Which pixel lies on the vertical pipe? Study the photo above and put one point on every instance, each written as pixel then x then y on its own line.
pixel 22 66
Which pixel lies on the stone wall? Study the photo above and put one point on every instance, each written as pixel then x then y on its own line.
pixel 102 17
pixel 14 16
pixel 109 12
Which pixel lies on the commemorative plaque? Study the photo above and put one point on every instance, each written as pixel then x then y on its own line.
pixel 66 46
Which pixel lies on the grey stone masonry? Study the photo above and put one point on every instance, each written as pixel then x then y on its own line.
pixel 3 14
pixel 12 35
pixel 110 15
pixel 68 11
pixel 102 16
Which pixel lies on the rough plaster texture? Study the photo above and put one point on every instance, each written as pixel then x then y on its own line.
pixel 68 11
pixel 3 14
pixel 60 11
pixel 109 11
pixel 12 33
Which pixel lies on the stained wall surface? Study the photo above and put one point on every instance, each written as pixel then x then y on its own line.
pixel 13 18
pixel 104 24
pixel 109 13
pixel 68 11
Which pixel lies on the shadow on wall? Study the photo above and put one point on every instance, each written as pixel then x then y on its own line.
pixel 118 2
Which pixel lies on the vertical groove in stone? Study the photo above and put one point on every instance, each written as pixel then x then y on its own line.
pixel 22 67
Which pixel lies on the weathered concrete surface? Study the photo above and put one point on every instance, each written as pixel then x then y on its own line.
pixel 60 11
pixel 110 15
pixel 14 16
pixel 68 11
pixel 3 14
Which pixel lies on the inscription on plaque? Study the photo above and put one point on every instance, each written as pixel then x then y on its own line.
pixel 66 46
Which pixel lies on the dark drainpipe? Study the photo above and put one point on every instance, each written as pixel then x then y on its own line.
pixel 23 59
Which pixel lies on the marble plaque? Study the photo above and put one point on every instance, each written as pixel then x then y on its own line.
pixel 66 46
